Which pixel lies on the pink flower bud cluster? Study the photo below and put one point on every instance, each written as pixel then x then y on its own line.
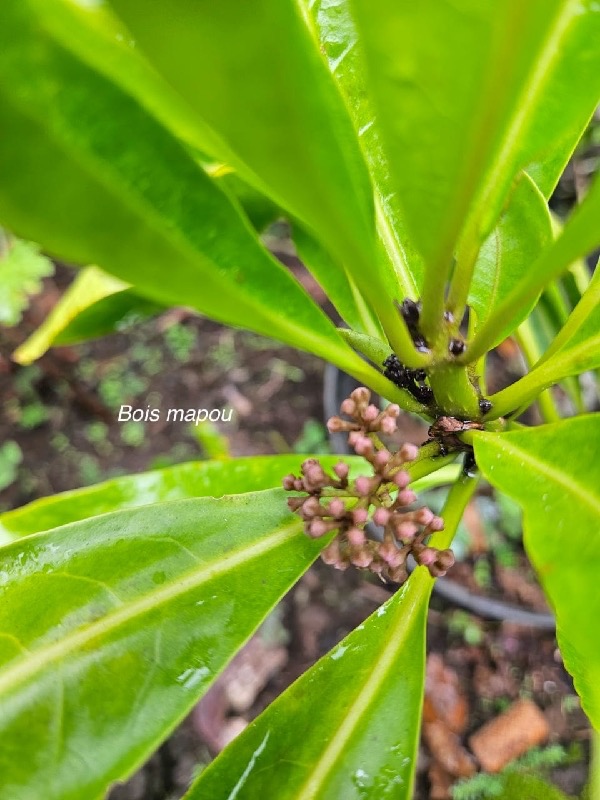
pixel 333 503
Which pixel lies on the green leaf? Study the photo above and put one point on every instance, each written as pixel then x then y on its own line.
pixel 21 271
pixel 348 728
pixel 523 231
pixel 272 100
pixel 336 30
pixel 82 313
pixel 337 284
pixel 193 479
pixel 136 612
pixel 580 235
pixel 574 350
pixel 94 34
pixel 553 472
pixel 471 79
pixel 90 174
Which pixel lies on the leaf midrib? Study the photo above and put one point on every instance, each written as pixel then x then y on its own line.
pixel 555 475
pixel 21 670
pixel 387 657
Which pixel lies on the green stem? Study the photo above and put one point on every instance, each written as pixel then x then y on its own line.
pixel 399 337
pixel 432 298
pixel 429 460
pixel 454 392
pixel 454 507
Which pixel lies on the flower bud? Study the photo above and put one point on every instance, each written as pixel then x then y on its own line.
pixel 341 470
pixel 445 559
pixel 408 452
pixel 424 516
pixel 388 426
pixel 361 396
pixel 318 527
pixel 370 413
pixel 392 410
pixel 348 407
pixel 356 537
pixel 311 507
pixel 289 482
pixel 381 458
pixel 401 479
pixel 427 556
pixel 362 558
pixel 336 425
pixel 363 485
pixel 381 516
pixel 405 530
pixel 436 524
pixel 364 446
pixel 406 497
pixel 336 507
pixel 360 516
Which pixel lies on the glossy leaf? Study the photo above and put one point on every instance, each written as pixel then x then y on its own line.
pixel 136 612
pixel 580 235
pixel 338 37
pixel 337 284
pixel 574 350
pixel 523 231
pixel 272 100
pixel 94 34
pixel 93 177
pixel 471 79
pixel 348 728
pixel 192 479
pixel 554 474
pixel 93 305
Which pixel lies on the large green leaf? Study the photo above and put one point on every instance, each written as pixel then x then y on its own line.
pixel 348 728
pixel 272 100
pixel 580 235
pixel 337 34
pixel 457 90
pixel 192 479
pixel 523 231
pixel 94 34
pixel 553 472
pixel 86 171
pixel 112 628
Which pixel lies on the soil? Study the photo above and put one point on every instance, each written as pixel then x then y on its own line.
pixel 63 415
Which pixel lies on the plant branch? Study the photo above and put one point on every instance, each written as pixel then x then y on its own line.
pixel 454 507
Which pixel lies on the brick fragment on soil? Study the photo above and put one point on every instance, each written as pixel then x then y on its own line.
pixel 447 750
pixel 509 736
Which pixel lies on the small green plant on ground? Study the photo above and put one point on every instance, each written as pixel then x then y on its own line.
pixel 413 149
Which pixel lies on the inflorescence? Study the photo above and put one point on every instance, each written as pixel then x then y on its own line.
pixel 335 503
